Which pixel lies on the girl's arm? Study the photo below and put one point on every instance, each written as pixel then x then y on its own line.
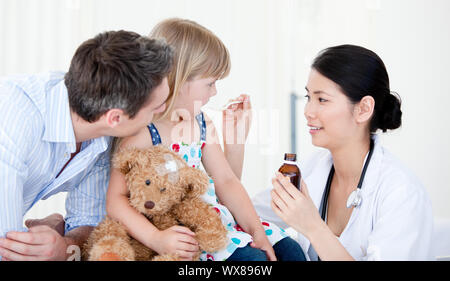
pixel 236 126
pixel 231 193
pixel 235 158
pixel 175 240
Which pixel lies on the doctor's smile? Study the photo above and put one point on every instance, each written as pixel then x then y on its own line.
pixel 314 130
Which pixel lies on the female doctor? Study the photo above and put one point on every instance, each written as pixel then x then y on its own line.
pixel 357 201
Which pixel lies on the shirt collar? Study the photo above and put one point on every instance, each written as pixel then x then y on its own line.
pixel 58 121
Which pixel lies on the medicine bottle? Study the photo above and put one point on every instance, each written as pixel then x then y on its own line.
pixel 291 170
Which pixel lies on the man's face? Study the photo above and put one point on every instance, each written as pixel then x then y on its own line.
pixel 156 104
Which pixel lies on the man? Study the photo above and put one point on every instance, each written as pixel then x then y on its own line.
pixel 55 136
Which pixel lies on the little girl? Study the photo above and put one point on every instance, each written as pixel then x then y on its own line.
pixel 200 60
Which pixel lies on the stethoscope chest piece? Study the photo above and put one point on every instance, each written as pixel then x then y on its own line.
pixel 354 199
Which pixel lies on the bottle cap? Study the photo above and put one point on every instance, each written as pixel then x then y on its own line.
pixel 290 157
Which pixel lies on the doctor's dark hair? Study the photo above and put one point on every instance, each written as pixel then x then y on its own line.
pixel 360 72
pixel 116 69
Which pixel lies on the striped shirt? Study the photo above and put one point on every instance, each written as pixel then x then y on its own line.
pixel 36 141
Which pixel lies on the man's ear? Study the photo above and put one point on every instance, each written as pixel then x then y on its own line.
pixel 114 117
pixel 364 109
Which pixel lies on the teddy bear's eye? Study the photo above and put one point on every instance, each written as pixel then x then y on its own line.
pixel 147 182
pixel 162 189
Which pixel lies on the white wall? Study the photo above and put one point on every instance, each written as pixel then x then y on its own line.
pixel 272 44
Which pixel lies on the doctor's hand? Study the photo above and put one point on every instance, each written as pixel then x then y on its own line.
pixel 295 207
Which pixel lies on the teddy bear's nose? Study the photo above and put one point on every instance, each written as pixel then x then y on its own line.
pixel 149 205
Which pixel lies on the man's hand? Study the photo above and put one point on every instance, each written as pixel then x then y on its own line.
pixel 55 221
pixel 41 243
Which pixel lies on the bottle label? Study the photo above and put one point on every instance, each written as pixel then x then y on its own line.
pixel 294 176
pixel 290 163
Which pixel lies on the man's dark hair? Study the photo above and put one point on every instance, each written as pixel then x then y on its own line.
pixel 116 69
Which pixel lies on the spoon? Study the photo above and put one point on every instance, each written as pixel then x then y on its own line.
pixel 226 105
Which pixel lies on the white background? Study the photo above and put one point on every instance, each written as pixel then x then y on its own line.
pixel 272 44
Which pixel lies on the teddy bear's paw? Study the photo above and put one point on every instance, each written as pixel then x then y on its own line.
pixel 211 241
pixel 165 258
pixel 111 248
pixel 108 256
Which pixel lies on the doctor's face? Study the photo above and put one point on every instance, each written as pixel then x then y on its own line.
pixel 329 113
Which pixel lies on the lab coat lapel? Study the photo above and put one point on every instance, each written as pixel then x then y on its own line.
pixel 315 175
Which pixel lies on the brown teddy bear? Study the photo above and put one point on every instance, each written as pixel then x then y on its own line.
pixel 167 191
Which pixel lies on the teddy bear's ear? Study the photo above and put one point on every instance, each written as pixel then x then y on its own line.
pixel 196 180
pixel 125 159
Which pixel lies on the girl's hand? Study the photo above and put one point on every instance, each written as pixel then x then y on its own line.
pixel 261 241
pixel 177 240
pixel 237 120
pixel 295 207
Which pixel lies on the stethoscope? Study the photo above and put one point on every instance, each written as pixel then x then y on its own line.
pixel 355 198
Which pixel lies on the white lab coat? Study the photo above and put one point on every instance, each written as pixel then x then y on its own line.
pixel 394 220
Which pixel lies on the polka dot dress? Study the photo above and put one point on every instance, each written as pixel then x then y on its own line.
pixel 192 154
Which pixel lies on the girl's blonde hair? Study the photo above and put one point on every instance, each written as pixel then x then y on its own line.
pixel 197 51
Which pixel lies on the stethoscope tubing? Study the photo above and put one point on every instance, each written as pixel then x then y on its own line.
pixel 330 178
